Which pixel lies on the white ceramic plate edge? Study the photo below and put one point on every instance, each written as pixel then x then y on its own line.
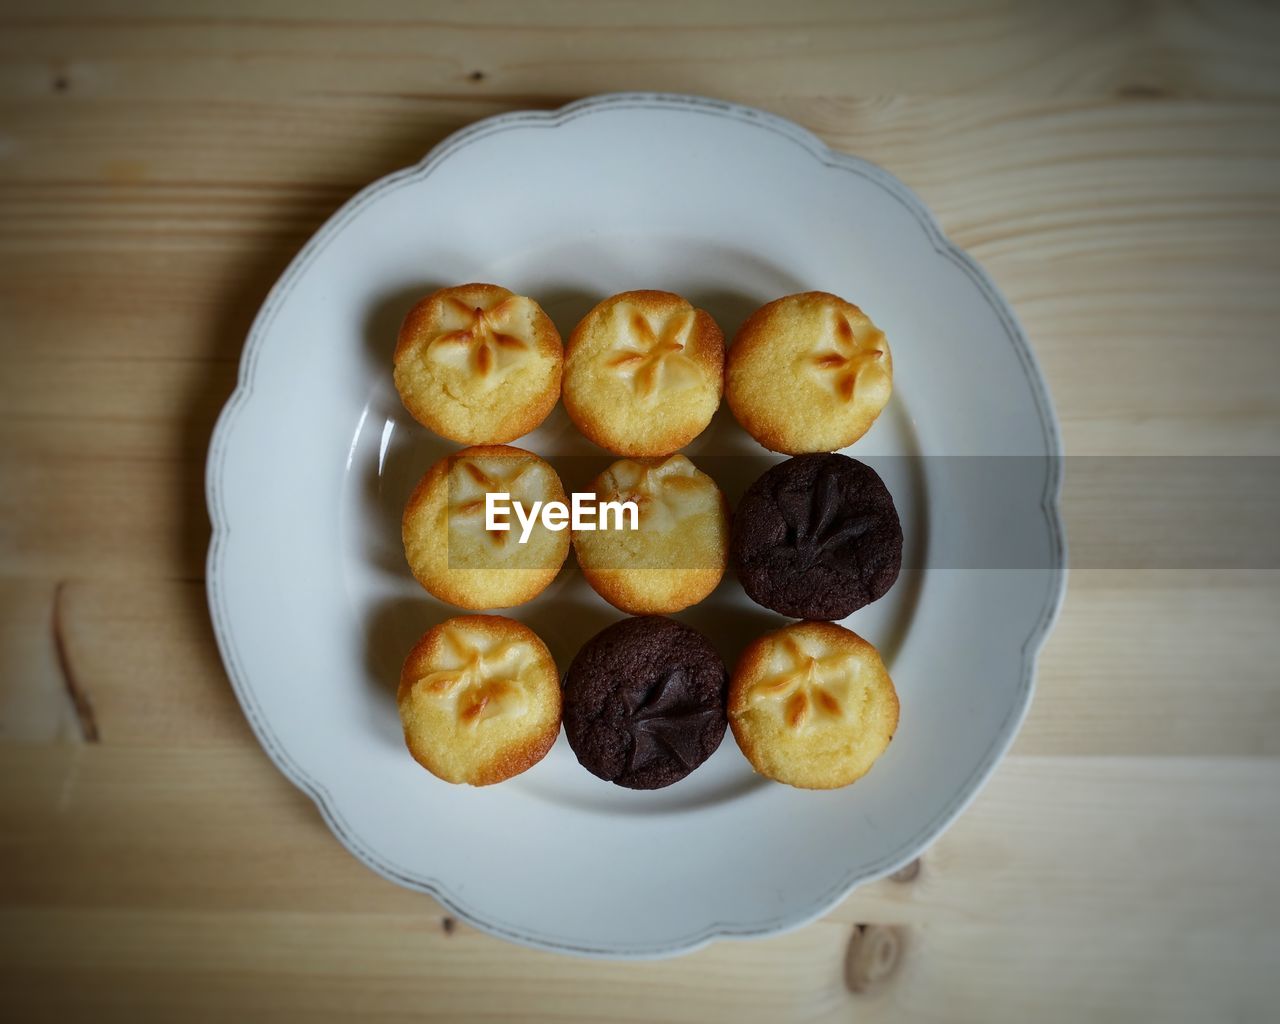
pixel 966 789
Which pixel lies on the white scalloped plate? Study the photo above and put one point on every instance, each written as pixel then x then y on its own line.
pixel 313 457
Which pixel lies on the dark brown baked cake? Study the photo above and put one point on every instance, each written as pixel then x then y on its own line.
pixel 644 702
pixel 817 537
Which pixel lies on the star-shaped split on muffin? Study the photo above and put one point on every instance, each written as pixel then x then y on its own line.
pixel 805 687
pixel 487 683
pixel 660 491
pixel 814 527
pixel 663 719
pixel 850 357
pixel 485 334
pixel 654 354
pixel 468 488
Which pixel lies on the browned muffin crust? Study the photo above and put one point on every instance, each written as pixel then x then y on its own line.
pixel 812 705
pixel 808 373
pixel 477 363
pixel 678 553
pixel 451 553
pixel 479 700
pixel 644 373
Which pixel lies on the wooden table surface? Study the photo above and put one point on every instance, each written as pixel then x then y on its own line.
pixel 1117 170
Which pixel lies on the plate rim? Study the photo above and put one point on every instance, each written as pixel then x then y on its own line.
pixel 966 790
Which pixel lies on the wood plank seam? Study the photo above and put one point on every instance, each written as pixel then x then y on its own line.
pixel 80 701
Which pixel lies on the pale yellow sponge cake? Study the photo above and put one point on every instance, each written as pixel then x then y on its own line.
pixel 808 373
pixel 446 540
pixel 678 552
pixel 478 364
pixel 644 373
pixel 479 699
pixel 812 705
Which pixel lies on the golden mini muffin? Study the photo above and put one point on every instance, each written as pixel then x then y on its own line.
pixel 479 699
pixel 808 373
pixel 811 705
pixel 678 552
pixel 447 544
pixel 644 372
pixel 477 363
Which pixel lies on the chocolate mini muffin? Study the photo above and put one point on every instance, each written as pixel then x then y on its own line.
pixel 817 537
pixel 644 702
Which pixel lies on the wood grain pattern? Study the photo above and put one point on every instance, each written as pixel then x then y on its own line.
pixel 1116 167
